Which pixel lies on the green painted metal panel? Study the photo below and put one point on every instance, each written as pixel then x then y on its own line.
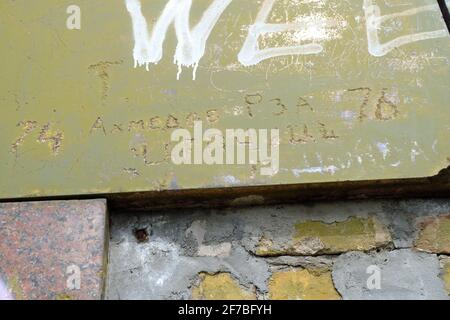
pixel 359 90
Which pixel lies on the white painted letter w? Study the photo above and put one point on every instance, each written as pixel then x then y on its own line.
pixel 191 43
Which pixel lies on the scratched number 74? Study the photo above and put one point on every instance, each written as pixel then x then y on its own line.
pixel 45 134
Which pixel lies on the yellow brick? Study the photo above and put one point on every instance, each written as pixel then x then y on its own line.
pixel 302 284
pixel 434 235
pixel 316 237
pixel 220 287
pixel 446 274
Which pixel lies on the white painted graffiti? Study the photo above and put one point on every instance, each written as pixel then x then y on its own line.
pixel 251 54
pixel 191 43
pixel 148 48
pixel 374 21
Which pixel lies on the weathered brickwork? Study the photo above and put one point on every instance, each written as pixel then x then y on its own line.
pixel 434 235
pixel 316 237
pixel 354 250
pixel 339 250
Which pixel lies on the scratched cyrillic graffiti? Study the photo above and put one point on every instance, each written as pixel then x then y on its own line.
pixel 377 105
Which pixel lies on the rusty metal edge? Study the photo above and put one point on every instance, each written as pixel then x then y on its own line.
pixel 429 187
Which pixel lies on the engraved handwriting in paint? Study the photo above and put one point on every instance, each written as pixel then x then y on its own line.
pixel 45 134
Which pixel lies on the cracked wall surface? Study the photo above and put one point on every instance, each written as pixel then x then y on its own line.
pixel 337 250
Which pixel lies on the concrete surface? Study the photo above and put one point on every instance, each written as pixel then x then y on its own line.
pixel 405 274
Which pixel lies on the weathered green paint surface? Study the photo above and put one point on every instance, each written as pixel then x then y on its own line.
pixel 77 117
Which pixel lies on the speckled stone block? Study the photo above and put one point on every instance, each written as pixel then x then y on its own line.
pixel 53 250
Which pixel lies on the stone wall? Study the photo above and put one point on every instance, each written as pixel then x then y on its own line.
pixel 336 250
pixel 53 250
